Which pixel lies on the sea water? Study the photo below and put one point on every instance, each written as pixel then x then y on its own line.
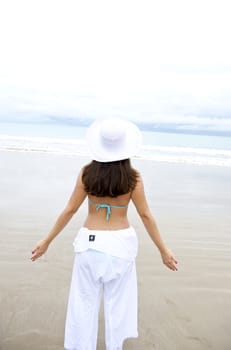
pixel 157 146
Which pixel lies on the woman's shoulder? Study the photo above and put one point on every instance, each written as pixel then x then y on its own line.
pixel 139 183
pixel 138 174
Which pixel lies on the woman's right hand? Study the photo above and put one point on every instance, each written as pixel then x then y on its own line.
pixel 40 249
pixel 169 260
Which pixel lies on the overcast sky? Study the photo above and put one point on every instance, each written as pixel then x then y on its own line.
pixel 165 60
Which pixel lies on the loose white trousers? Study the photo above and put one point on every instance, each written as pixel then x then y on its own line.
pixel 95 274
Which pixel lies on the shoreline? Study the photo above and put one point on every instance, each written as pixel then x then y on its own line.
pixel 184 154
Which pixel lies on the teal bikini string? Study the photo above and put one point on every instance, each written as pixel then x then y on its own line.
pixel 106 206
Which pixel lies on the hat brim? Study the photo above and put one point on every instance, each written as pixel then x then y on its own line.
pixel 102 153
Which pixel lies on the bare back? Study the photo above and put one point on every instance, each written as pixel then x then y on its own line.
pixel 96 218
pixel 97 213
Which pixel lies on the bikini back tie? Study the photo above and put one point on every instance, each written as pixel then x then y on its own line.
pixel 108 207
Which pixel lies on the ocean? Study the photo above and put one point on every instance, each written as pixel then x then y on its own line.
pixel 174 147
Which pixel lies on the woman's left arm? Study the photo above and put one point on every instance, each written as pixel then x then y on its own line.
pixel 75 201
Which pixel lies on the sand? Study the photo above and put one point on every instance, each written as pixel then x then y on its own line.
pixel 189 309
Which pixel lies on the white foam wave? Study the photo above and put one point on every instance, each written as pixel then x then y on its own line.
pixel 187 150
pixel 186 155
pixel 43 144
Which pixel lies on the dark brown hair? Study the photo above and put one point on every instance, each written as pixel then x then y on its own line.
pixel 110 179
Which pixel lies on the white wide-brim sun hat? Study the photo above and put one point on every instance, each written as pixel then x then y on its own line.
pixel 113 139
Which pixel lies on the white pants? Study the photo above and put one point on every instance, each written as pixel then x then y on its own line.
pixel 96 273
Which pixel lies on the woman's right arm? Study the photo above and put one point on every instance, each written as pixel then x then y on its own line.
pixel 139 199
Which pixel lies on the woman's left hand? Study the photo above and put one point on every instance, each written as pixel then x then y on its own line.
pixel 40 249
pixel 169 260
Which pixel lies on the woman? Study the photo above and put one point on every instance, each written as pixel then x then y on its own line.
pixel 106 245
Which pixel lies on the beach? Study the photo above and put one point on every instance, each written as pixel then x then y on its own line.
pixel 184 310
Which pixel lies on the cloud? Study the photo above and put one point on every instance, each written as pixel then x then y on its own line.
pixel 160 61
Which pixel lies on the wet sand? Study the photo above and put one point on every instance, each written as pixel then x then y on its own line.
pixel 188 309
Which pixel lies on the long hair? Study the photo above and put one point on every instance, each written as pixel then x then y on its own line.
pixel 110 179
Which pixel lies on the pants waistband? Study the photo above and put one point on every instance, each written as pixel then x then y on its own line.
pixel 121 243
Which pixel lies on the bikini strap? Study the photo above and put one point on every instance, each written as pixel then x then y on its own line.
pixel 106 206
